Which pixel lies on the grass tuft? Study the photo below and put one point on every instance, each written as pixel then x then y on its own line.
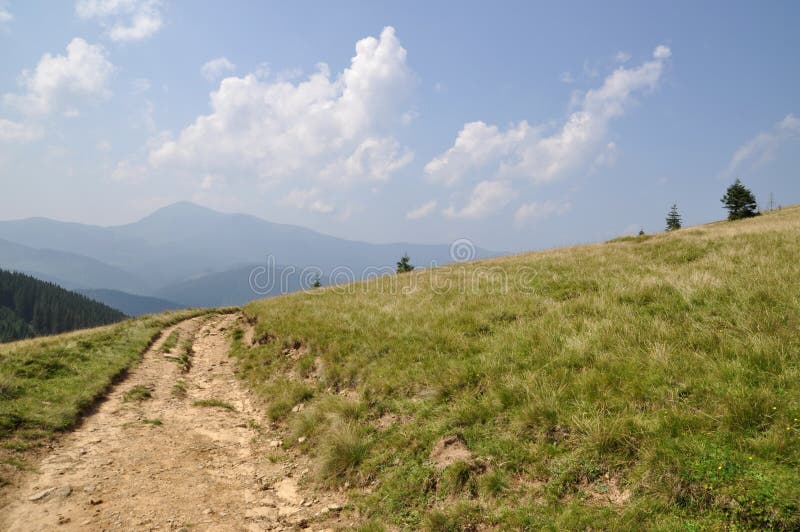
pixel 456 478
pixel 284 395
pixel 187 352
pixel 179 388
pixel 137 393
pixel 344 449
pixel 214 403
pixel 171 341
pixel 494 483
pixel 456 518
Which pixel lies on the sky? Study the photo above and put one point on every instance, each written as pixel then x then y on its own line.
pixel 518 125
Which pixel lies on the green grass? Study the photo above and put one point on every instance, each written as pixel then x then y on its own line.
pixel 187 352
pixel 179 388
pixel 171 341
pixel 48 383
pixel 214 403
pixel 344 449
pixel 137 393
pixel 648 382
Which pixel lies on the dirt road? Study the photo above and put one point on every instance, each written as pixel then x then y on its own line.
pixel 166 463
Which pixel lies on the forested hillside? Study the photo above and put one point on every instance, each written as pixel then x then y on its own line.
pixel 30 307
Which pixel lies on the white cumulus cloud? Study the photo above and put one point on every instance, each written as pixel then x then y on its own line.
pixel 423 211
pixel 129 172
pixel 622 57
pixel 762 148
pixel 212 181
pixel 19 132
pixel 476 146
pixel 662 52
pixel 124 20
pixel 487 198
pixel 319 131
pixel 60 82
pixel 216 68
pixel 310 199
pixel 5 15
pixel 540 210
pixel 375 159
pixel 525 151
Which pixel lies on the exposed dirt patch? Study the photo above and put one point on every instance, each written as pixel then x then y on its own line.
pixel 295 351
pixel 449 450
pixel 606 491
pixel 164 464
pixel 386 421
pixel 264 339
pixel 389 420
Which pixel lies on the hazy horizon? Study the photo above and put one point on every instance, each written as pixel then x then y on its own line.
pixel 217 211
pixel 519 127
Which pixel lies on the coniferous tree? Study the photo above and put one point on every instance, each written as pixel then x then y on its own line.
pixel 404 264
pixel 739 201
pixel 317 282
pixel 673 218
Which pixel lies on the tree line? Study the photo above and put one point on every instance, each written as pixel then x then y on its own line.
pixel 30 307
pixel 739 201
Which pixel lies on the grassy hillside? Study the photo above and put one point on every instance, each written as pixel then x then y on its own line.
pixel 645 382
pixel 30 307
pixel 47 383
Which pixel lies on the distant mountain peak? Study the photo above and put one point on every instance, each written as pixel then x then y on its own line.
pixel 184 242
pixel 182 208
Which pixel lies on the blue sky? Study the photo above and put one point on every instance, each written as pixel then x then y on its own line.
pixel 520 125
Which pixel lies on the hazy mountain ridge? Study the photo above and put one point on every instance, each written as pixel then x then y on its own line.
pixel 70 270
pixel 178 248
pixel 130 304
pixel 230 288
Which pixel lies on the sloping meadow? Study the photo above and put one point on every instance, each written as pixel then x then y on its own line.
pixel 649 381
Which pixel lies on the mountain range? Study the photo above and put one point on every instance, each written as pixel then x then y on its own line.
pixel 129 304
pixel 188 255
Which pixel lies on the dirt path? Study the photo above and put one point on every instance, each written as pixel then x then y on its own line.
pixel 165 464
